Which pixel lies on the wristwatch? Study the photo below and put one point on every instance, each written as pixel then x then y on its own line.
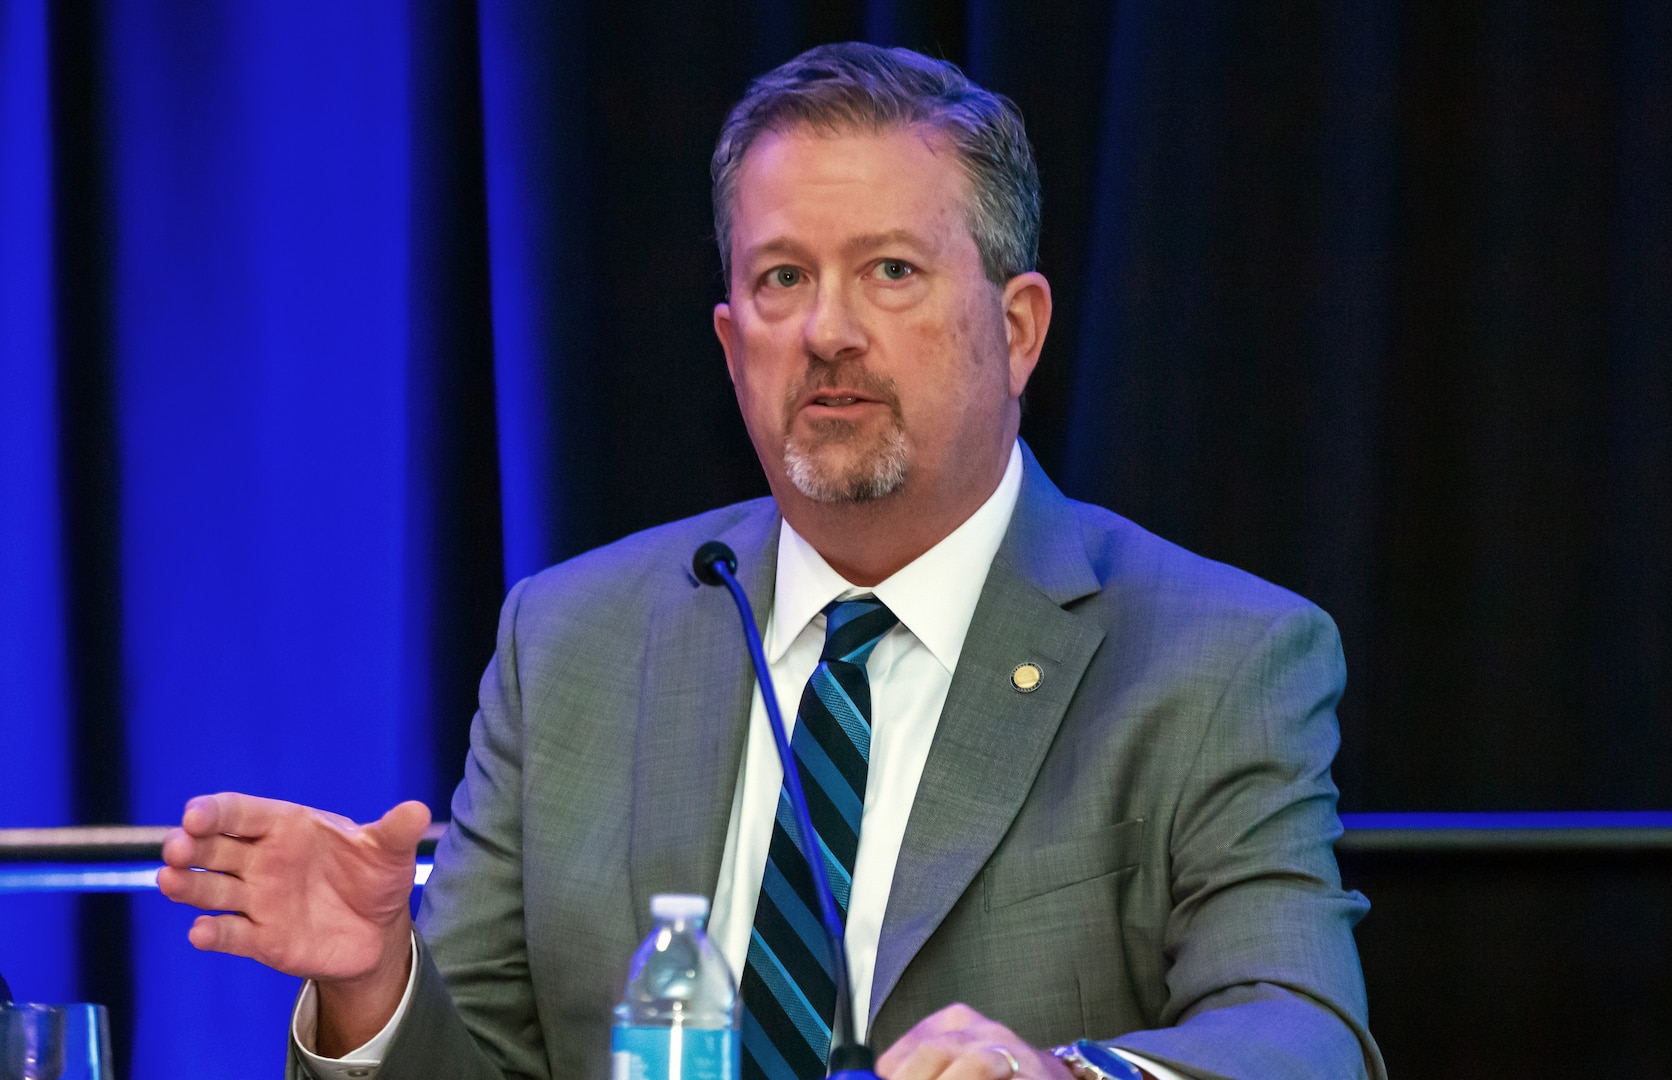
pixel 1094 1061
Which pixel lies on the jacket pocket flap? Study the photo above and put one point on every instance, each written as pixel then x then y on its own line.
pixel 1064 863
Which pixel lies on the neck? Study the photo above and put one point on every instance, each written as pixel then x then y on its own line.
pixel 868 542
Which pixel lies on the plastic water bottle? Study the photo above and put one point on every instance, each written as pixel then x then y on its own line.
pixel 678 1019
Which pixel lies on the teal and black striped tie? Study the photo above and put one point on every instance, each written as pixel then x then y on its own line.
pixel 789 991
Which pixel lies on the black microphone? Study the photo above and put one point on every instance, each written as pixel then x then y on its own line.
pixel 715 564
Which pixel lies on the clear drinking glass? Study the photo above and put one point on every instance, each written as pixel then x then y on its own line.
pixel 54 1042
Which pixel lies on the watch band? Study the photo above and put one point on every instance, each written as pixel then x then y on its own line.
pixel 1088 1060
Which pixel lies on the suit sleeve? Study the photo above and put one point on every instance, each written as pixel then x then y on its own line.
pixel 1264 978
pixel 472 1015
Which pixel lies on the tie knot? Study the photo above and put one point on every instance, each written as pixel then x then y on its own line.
pixel 852 628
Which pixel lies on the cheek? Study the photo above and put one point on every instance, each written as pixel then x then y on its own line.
pixel 935 341
pixel 987 337
pixel 987 349
pixel 759 380
pixel 751 393
pixel 963 392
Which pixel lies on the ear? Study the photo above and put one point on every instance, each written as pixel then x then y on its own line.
pixel 723 331
pixel 1027 316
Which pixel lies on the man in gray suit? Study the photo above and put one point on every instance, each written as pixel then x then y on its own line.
pixel 1099 802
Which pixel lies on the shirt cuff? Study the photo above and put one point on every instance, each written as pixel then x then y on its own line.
pixel 1155 1069
pixel 359 1064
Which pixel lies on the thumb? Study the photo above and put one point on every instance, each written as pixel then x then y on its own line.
pixel 399 831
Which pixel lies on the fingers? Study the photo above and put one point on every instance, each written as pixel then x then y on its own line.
pixel 401 828
pixel 237 935
pixel 958 1043
pixel 960 1059
pixel 942 1060
pixel 223 854
pixel 223 933
pixel 201 889
pixel 925 1035
pixel 928 1058
pixel 1012 1064
pixel 231 813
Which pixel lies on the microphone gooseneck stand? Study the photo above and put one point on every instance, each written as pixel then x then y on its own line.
pixel 715 564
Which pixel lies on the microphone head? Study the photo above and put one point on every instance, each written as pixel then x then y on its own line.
pixel 708 556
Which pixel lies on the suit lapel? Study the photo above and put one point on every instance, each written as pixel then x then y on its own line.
pixel 697 682
pixel 992 738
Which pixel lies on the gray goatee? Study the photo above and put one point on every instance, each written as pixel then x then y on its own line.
pixel 879 472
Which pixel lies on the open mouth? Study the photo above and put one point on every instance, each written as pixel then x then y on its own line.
pixel 846 396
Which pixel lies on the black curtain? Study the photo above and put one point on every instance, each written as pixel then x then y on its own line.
pixel 1371 300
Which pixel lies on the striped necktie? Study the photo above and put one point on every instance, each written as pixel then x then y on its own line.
pixel 789 991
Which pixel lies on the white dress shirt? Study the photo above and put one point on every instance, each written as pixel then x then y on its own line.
pixel 910 673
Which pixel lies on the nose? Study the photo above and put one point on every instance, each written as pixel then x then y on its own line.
pixel 833 331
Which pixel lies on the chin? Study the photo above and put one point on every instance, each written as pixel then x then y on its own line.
pixel 828 475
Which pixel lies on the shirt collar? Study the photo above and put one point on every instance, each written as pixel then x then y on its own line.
pixel 934 595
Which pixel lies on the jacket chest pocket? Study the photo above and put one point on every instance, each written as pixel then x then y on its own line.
pixel 1058 865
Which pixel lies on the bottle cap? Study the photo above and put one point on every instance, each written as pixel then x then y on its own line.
pixel 678 906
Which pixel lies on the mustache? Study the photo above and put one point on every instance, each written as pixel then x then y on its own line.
pixel 844 377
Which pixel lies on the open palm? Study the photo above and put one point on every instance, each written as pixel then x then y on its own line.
pixel 303 891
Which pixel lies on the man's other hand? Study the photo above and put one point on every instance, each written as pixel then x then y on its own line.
pixel 307 893
pixel 958 1043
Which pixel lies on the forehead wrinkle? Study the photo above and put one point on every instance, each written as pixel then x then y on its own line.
pixel 889 238
pixel 778 245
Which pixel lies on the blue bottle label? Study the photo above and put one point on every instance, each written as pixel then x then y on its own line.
pixel 673 1053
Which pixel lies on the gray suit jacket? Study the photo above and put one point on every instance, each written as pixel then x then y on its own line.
pixel 1139 851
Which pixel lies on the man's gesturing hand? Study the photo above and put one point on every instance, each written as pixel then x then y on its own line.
pixel 311 894
pixel 958 1043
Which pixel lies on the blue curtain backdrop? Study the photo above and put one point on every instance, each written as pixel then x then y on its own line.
pixel 35 735
pixel 320 324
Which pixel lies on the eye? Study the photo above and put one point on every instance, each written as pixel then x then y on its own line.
pixel 895 269
pixel 783 277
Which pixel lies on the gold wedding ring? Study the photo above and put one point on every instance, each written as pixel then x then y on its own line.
pixel 1009 1059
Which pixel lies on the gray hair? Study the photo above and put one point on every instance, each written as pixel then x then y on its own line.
pixel 857 87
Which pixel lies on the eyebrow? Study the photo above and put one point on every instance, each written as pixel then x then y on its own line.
pixel 783 245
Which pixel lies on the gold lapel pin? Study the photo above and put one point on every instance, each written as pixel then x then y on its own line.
pixel 1026 678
